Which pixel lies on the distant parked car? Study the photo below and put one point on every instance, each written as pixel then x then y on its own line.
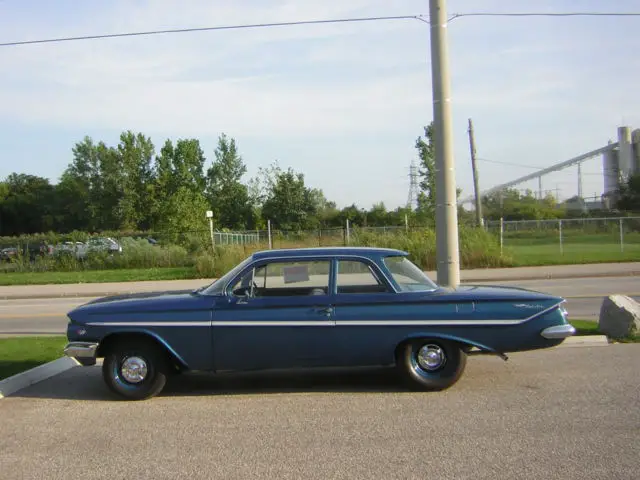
pixel 101 244
pixel 81 250
pixel 28 251
pixel 318 307
pixel 9 253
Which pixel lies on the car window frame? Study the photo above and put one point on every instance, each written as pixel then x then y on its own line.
pixel 375 270
pixel 258 263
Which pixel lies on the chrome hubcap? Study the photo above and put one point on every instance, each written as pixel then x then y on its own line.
pixel 134 369
pixel 431 357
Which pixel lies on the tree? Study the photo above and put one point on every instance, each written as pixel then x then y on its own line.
pixel 228 196
pixel 510 204
pixel 629 194
pixel 427 174
pixel 135 154
pixel 288 203
pixel 179 187
pixel 27 206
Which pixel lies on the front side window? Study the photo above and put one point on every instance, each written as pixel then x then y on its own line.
pixel 285 279
pixel 357 277
pixel 407 275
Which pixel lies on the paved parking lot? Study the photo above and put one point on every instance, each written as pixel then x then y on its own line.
pixel 565 413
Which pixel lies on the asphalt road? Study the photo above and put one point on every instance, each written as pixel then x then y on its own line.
pixel 563 413
pixel 48 316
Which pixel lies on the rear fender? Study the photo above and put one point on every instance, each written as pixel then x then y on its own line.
pixel 452 338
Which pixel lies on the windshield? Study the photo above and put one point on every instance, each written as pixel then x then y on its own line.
pixel 407 275
pixel 217 287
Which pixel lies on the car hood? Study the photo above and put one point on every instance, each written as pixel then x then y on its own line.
pixel 174 300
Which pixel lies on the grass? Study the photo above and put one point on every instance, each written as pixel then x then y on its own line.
pixel 573 253
pixel 590 327
pixel 97 276
pixel 193 259
pixel 542 247
pixel 22 353
pixel 585 327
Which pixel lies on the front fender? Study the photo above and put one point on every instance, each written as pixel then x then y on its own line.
pixel 139 332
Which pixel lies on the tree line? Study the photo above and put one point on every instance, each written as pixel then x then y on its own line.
pixel 131 187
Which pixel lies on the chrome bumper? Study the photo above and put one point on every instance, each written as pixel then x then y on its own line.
pixel 81 349
pixel 558 331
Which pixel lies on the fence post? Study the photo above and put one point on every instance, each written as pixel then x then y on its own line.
pixel 348 232
pixel 560 232
pixel 501 234
pixel 406 223
pixel 269 233
pixel 621 237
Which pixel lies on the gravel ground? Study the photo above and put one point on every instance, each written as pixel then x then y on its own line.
pixel 566 413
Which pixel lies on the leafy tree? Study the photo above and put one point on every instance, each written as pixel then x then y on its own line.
pixel 179 194
pixel 427 173
pixel 288 204
pixel 27 205
pixel 228 196
pixel 629 194
pixel 135 154
pixel 512 205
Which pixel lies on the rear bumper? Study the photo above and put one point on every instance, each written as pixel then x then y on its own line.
pixel 558 332
pixel 84 352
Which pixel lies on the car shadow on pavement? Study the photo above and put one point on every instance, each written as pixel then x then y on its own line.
pixel 325 380
pixel 85 383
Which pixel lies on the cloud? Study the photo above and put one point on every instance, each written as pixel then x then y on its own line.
pixel 537 89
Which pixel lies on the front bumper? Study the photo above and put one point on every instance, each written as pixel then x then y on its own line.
pixel 84 352
pixel 558 331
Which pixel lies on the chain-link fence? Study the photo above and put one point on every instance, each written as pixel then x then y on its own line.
pixel 575 239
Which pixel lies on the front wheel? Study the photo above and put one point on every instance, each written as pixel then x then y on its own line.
pixel 135 371
pixel 431 364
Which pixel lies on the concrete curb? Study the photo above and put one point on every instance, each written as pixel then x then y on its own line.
pixel 585 341
pixel 34 375
pixel 42 296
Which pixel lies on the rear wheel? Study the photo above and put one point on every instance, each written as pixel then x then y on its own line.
pixel 431 364
pixel 134 370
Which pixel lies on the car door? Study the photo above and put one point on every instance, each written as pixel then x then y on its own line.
pixel 365 305
pixel 277 315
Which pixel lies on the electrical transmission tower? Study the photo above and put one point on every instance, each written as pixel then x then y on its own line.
pixel 412 200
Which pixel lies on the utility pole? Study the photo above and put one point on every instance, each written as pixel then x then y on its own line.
pixel 447 253
pixel 474 169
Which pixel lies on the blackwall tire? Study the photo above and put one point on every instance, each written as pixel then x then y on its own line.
pixel 135 371
pixel 431 364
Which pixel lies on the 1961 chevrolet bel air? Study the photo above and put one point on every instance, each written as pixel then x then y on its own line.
pixel 317 307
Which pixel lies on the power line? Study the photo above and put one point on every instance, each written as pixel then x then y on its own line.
pixel 509 163
pixel 544 14
pixel 204 29
pixel 420 17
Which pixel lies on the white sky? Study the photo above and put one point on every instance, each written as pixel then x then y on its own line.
pixel 341 103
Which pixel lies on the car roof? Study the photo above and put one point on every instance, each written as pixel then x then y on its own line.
pixel 328 251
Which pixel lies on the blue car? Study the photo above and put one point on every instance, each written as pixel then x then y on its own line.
pixel 305 308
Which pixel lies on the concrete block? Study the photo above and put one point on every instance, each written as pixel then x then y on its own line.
pixel 34 375
pixel 619 316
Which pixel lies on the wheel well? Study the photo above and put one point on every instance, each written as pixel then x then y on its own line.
pixel 113 339
pixel 398 350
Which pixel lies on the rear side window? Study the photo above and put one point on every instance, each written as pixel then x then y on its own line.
pixel 357 277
